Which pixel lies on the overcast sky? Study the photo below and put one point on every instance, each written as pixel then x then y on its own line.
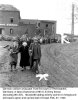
pixel 59 10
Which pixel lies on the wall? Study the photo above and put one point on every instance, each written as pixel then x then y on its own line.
pixel 49 28
pixel 6 15
pixel 5 18
pixel 19 30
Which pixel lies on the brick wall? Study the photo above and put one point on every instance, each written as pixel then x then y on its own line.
pixel 5 17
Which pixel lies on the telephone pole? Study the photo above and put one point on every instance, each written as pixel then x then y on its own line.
pixel 72 27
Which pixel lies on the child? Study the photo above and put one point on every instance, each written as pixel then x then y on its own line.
pixel 13 55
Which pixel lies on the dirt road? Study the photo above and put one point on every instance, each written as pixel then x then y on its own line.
pixel 59 61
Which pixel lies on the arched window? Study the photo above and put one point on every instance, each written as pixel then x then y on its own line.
pixel 11 31
pixel 38 24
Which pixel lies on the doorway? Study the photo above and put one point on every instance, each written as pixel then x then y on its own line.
pixel 0 31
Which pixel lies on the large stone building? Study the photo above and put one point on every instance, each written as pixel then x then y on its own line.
pixel 12 24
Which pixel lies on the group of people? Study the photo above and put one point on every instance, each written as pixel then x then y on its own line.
pixel 30 54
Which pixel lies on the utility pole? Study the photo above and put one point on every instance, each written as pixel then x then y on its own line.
pixel 72 27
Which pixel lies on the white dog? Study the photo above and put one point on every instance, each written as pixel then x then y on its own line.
pixel 42 76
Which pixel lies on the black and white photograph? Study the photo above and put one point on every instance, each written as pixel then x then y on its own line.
pixel 39 43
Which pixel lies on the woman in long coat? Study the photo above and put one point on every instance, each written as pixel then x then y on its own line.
pixel 24 55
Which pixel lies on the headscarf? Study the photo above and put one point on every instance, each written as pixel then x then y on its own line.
pixel 24 43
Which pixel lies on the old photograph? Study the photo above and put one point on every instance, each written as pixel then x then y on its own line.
pixel 39 43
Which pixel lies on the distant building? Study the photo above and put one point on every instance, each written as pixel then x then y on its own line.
pixel 46 28
pixel 9 19
pixel 12 24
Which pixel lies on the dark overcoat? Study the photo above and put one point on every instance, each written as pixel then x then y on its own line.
pixel 13 54
pixel 24 56
pixel 36 50
pixel 35 53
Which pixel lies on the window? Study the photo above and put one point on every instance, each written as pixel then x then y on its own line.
pixel 11 20
pixel 11 31
pixel 38 24
pixel 46 25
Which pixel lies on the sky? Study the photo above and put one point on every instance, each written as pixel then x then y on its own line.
pixel 58 10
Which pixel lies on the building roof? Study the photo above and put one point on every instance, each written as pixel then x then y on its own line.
pixel 28 21
pixel 35 21
pixel 6 7
pixel 48 21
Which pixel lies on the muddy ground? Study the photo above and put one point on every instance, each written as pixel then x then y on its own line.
pixel 59 61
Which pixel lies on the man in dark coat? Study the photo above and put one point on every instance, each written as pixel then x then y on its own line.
pixel 24 57
pixel 35 54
